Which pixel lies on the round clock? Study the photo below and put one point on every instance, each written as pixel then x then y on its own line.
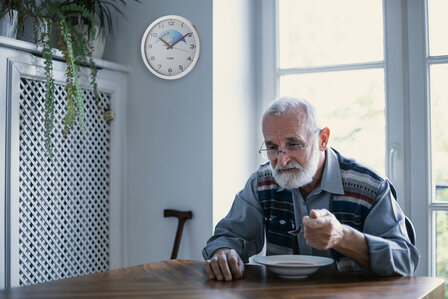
pixel 170 47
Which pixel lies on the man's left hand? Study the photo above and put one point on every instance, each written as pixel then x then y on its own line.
pixel 322 229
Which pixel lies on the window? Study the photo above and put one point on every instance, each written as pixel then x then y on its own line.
pixel 438 72
pixel 331 53
pixel 375 71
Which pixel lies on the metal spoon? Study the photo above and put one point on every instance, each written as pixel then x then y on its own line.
pixel 297 230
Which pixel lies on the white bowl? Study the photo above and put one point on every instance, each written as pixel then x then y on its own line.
pixel 293 266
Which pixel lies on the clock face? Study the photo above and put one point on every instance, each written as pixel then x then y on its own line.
pixel 170 47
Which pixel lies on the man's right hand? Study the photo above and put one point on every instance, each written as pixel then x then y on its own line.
pixel 224 264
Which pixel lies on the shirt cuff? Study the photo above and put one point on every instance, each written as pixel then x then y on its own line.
pixel 381 255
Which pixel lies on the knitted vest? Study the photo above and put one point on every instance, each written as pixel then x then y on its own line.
pixel 360 189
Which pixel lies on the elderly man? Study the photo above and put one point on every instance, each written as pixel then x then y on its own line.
pixel 347 210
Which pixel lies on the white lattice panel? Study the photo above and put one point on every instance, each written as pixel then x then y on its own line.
pixel 64 206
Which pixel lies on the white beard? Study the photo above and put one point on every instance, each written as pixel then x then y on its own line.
pixel 303 176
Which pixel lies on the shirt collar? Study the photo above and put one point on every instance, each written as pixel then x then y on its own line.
pixel 331 176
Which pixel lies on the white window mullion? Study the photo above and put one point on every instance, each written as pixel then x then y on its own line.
pixel 438 59
pixel 418 164
pixel 269 52
pixel 407 111
pixel 395 89
pixel 332 68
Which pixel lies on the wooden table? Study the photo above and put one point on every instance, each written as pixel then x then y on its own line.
pixel 187 279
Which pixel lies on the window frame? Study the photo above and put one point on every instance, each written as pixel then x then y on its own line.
pixel 408 134
pixel 421 61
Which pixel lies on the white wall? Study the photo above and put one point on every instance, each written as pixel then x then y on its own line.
pixel 169 160
pixel 234 128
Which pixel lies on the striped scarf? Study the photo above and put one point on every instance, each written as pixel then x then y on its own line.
pixel 360 189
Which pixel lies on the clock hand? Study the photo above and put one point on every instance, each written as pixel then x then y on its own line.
pixel 177 49
pixel 166 43
pixel 179 39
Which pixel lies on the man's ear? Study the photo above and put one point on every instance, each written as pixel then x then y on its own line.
pixel 324 136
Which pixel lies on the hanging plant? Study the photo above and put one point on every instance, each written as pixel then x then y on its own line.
pixel 55 18
pixel 64 20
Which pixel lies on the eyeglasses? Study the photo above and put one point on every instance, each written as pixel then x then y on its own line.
pixel 293 149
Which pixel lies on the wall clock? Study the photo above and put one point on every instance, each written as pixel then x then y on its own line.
pixel 170 47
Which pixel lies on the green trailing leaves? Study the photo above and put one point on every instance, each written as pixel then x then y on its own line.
pixel 55 17
pixel 72 82
pixel 49 84
pixel 64 21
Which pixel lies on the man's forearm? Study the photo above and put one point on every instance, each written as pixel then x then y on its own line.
pixel 354 245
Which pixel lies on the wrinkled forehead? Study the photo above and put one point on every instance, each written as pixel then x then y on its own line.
pixel 291 124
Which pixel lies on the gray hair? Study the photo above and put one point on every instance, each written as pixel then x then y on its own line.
pixel 286 105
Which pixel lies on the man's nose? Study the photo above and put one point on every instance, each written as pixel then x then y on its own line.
pixel 282 158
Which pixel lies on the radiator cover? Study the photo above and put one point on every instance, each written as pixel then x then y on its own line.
pixel 64 207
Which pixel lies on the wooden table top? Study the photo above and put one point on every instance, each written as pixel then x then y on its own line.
pixel 187 279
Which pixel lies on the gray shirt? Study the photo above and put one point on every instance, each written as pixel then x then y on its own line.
pixel 384 227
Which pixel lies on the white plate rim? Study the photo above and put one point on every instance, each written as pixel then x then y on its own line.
pixel 322 261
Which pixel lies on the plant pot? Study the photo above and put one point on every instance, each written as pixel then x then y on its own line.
pixel 8 24
pixel 98 43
